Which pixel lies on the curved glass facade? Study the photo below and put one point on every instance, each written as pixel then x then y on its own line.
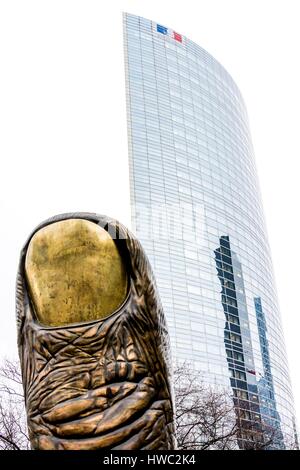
pixel 196 209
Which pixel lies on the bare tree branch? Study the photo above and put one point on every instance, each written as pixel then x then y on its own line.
pixel 9 442
pixel 211 418
pixel 13 428
pixel 207 417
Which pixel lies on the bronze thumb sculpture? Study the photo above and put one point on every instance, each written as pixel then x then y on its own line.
pixel 92 339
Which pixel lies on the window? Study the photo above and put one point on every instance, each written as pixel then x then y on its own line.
pixel 240 375
pixel 233 319
pixel 192 271
pixel 231 302
pixel 198 308
pixel 236 338
pixel 244 414
pixel 241 394
pixel 229 284
pixel 197 326
pixel 193 289
pixel 238 356
pixel 190 254
pixel 227 268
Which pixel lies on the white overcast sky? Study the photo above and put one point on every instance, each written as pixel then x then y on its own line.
pixel 63 142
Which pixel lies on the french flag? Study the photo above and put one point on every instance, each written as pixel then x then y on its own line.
pixel 161 29
pixel 177 36
pixel 167 32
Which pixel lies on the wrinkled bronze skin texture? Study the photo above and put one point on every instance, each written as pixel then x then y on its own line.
pixel 104 384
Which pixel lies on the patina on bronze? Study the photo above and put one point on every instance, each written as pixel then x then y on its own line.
pixel 96 371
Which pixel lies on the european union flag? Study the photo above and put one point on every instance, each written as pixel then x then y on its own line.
pixel 161 29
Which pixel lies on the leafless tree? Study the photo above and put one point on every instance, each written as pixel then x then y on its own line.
pixel 256 434
pixel 263 435
pixel 205 416
pixel 211 418
pixel 13 429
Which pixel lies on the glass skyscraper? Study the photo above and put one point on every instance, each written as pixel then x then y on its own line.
pixel 197 210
